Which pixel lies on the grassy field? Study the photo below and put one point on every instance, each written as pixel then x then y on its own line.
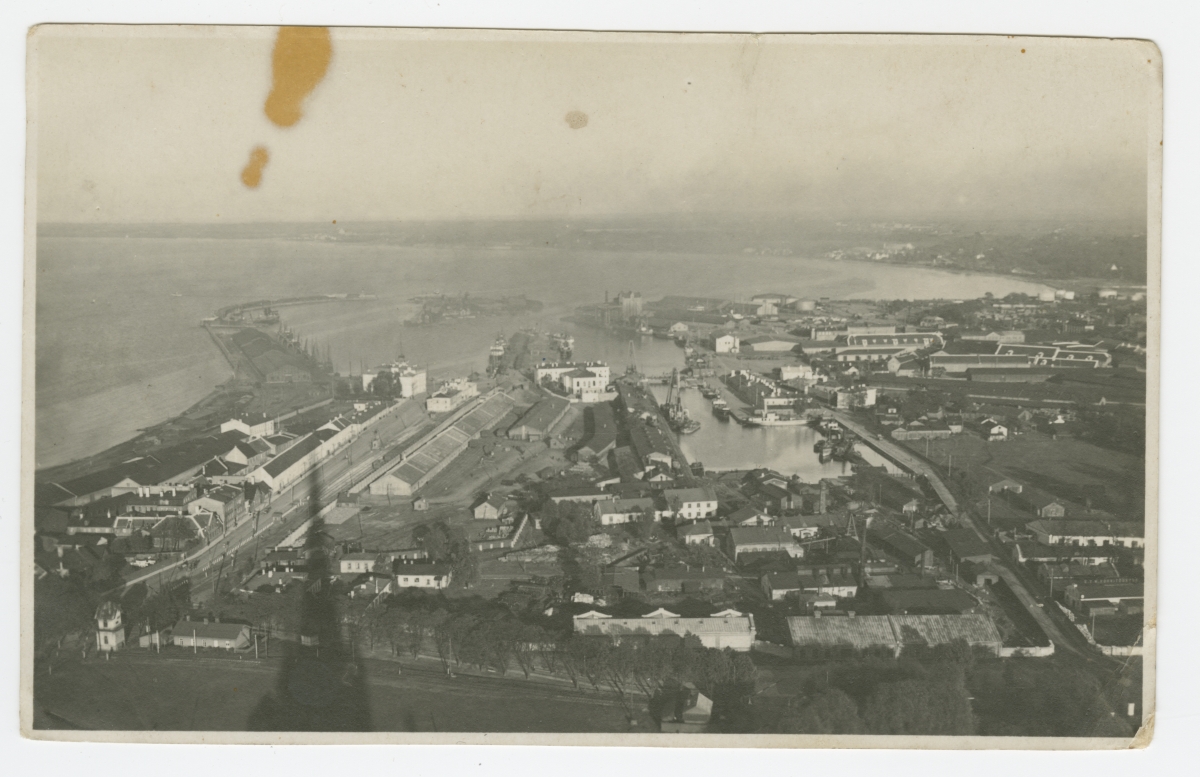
pixel 1070 469
pixel 146 692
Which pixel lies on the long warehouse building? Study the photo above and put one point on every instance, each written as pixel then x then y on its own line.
pixel 435 452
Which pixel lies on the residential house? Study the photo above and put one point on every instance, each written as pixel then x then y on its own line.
pixel 691 504
pixel 422 575
pixel 699 533
pixel 611 512
pixel 1038 502
pixel 750 515
pixel 992 430
pixel 203 634
pixel 357 563
pixel 489 508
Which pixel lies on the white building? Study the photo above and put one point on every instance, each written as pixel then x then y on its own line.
pixel 422 576
pixel 611 512
pixel 110 632
pixel 694 503
pixel 584 382
pixel 351 563
pixel 600 371
pixel 410 379
pixel 251 426
pixel 726 343
pixel 1090 533
pixel 795 372
pixel 725 629
pixel 861 396
pixel 451 395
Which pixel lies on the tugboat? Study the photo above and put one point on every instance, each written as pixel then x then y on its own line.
pixel 720 409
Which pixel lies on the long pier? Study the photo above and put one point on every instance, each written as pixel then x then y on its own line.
pixel 224 351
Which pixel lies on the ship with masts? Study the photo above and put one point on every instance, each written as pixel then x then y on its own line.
pixel 677 415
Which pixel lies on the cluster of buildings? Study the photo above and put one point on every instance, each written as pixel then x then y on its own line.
pixel 184 495
pixel 585 381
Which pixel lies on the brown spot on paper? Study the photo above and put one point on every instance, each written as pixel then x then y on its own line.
pixel 252 172
pixel 298 63
pixel 576 119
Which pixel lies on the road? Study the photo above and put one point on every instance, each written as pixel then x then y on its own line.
pixel 1067 638
pixel 314 490
pixel 904 458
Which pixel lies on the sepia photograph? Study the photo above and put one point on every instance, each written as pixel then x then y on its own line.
pixel 601 388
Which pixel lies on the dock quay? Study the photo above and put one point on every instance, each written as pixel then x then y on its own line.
pixel 229 357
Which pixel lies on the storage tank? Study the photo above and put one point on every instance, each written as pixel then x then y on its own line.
pixel 806 305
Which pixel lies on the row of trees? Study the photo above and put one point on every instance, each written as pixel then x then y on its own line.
pixel 949 690
pixel 495 640
pixel 883 696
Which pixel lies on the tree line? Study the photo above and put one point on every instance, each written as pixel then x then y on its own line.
pixel 493 639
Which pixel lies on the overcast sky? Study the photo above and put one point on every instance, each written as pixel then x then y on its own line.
pixel 157 126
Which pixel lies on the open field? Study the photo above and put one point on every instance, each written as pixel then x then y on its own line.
pixel 1070 469
pixel 140 691
pixel 1088 388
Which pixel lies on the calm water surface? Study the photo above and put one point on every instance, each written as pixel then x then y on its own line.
pixel 117 350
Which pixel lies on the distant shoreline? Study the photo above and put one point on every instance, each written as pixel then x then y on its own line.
pixel 128 448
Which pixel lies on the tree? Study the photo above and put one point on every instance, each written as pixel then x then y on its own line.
pixel 831 711
pixel 434 538
pixel 930 708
